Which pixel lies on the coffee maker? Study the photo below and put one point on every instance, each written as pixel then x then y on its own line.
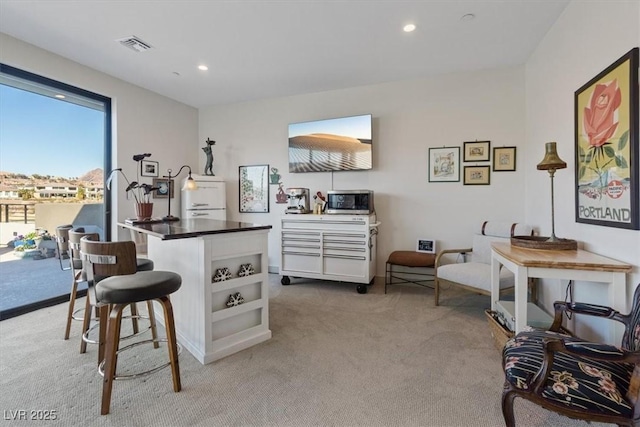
pixel 298 199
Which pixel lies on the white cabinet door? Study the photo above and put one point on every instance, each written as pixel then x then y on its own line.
pixel 208 195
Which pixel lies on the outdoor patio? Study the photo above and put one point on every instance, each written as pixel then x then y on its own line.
pixel 25 281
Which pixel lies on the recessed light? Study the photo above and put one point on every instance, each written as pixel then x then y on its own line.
pixel 467 17
pixel 59 96
pixel 409 28
pixel 203 67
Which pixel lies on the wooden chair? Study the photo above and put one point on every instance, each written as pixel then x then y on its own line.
pixel 573 377
pixel 474 272
pixel 120 285
pixel 75 265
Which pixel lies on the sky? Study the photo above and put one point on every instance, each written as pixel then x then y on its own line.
pixel 46 136
pixel 356 127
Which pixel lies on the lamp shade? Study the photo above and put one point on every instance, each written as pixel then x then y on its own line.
pixel 551 159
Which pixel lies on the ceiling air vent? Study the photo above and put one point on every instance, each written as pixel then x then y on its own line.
pixel 135 43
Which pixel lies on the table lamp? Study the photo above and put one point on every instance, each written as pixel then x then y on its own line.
pixel 189 185
pixel 551 163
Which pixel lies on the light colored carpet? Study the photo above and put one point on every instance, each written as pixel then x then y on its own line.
pixel 337 358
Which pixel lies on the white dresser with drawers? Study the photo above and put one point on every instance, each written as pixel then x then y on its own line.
pixel 329 247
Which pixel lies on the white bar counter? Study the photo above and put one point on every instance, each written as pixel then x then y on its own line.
pixel 206 325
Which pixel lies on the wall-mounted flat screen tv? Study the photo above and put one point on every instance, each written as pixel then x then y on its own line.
pixel 342 144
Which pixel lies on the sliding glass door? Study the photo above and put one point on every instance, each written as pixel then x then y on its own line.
pixel 55 144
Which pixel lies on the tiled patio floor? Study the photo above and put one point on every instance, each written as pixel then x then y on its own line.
pixel 25 280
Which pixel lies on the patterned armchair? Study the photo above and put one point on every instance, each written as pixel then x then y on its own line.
pixel 572 377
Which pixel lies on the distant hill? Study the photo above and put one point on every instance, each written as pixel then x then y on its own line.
pixel 96 176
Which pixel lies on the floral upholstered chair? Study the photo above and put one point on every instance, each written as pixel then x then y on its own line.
pixel 572 377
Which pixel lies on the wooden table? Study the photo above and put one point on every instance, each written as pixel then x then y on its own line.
pixel 556 264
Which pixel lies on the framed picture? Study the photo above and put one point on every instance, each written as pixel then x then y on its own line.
pixel 254 188
pixel 504 159
pixel 476 175
pixel 148 168
pixel 165 188
pixel 426 245
pixel 476 151
pixel 444 164
pixel 606 146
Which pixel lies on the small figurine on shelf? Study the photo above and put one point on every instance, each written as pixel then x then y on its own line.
pixel 246 270
pixel 235 299
pixel 208 168
pixel 222 274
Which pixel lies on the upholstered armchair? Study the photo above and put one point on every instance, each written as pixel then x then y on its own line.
pixel 573 377
pixel 474 272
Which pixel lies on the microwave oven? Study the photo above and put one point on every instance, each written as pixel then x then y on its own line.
pixel 355 202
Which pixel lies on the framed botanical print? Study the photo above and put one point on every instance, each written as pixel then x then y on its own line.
pixel 254 188
pixel 504 159
pixel 476 151
pixel 606 146
pixel 476 175
pixel 444 164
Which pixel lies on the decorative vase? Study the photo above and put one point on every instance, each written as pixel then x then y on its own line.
pixel 144 211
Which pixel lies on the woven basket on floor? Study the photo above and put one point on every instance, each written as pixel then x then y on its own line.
pixel 499 333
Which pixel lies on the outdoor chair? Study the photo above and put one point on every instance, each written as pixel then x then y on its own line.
pixel 574 377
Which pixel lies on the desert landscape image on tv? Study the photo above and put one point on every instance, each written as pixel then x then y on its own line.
pixel 330 145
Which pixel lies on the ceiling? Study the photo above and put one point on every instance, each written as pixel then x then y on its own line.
pixel 265 49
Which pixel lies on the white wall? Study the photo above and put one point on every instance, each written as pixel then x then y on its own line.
pixel 586 39
pixel 143 121
pixel 409 117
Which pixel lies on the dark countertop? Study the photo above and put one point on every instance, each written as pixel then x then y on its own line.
pixel 188 228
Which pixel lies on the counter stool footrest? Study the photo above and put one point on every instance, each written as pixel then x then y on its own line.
pixel 144 373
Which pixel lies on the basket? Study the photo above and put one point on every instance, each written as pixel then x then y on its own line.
pixel 499 333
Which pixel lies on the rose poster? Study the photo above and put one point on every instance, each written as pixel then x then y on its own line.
pixel 607 146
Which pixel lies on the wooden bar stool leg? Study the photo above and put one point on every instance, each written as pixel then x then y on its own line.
pixel 111 356
pixel 171 342
pixel 134 317
pixel 102 334
pixel 86 324
pixel 152 324
pixel 72 301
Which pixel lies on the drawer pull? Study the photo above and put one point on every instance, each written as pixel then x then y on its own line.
pixel 361 236
pixel 300 253
pixel 199 214
pixel 344 242
pixel 300 246
pixel 195 205
pixel 336 248
pixel 301 221
pixel 295 233
pixel 360 258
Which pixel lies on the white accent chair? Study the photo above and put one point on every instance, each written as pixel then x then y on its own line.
pixel 474 272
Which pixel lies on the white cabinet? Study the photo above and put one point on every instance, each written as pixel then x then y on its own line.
pixel 329 247
pixel 208 201
pixel 205 325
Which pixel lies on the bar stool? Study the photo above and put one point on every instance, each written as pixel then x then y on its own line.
pixel 62 238
pixel 62 241
pixel 142 264
pixel 120 286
